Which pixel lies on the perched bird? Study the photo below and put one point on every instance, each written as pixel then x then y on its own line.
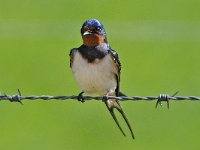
pixel 96 67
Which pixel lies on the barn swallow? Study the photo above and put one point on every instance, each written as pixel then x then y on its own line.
pixel 96 67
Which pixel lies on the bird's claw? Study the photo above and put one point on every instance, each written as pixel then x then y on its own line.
pixel 104 98
pixel 80 97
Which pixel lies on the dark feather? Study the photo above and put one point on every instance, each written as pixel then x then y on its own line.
pixel 71 54
pixel 111 107
pixel 118 65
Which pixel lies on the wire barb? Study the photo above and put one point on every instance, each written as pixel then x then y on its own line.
pixel 165 97
pixel 12 98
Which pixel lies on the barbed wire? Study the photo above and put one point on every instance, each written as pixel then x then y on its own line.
pixel 162 97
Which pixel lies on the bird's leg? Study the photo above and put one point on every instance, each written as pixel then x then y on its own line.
pixel 80 97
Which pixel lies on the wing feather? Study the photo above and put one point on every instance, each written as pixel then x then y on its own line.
pixel 71 54
pixel 115 58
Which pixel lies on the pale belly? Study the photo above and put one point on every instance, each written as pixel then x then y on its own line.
pixel 98 77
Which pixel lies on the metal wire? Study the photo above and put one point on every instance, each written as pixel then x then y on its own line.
pixel 162 97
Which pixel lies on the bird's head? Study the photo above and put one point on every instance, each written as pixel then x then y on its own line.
pixel 93 33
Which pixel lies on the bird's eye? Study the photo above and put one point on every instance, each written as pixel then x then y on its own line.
pixel 85 28
pixel 98 28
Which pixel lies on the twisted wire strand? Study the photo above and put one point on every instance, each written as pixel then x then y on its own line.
pixel 162 97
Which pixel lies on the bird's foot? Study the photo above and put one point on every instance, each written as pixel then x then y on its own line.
pixel 80 97
pixel 105 98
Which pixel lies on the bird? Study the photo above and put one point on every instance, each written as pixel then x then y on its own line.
pixel 96 68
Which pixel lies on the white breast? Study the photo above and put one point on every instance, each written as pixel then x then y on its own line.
pixel 97 77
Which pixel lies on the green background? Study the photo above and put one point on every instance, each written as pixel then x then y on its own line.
pixel 158 43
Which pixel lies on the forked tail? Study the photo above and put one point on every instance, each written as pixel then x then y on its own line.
pixel 111 105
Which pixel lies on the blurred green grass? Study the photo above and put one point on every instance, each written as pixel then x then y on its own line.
pixel 158 45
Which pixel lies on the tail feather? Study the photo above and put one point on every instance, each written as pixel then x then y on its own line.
pixel 116 121
pixel 111 104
